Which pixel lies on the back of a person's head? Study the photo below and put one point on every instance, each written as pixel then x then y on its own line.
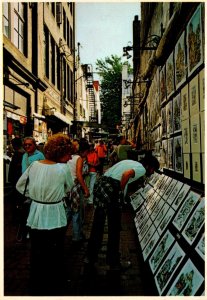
pixel 83 145
pixel 16 143
pixel 150 162
pixel 57 146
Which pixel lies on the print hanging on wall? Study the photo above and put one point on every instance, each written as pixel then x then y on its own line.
pixel 196 162
pixel 193 227
pixel 184 103
pixel 180 61
pixel 195 134
pixel 194 96
pixel 185 210
pixel 194 42
pixel 181 196
pixel 170 75
pixel 170 154
pixel 163 120
pixel 162 85
pixel 177 113
pixel 168 268
pixel 160 251
pixel 164 153
pixel 178 154
pixel 169 118
pixel 187 282
pixel 187 165
pixel 200 248
pixel 202 118
pixel 202 90
pixel 186 136
pixel 203 167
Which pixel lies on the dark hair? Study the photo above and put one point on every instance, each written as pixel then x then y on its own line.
pixel 83 146
pixel 150 162
pixel 16 142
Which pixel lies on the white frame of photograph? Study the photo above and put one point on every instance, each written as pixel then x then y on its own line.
pixel 180 57
pixel 194 96
pixel 186 135
pixel 185 114
pixel 196 167
pixel 185 210
pixel 178 159
pixel 195 134
pixel 186 165
pixel 175 192
pixel 181 196
pixel 200 248
pixel 197 218
pixel 161 250
pixel 188 268
pixel 167 270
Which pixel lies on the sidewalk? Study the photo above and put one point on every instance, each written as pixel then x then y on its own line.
pixel 79 283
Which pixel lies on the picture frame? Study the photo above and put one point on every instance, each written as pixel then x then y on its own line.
pixel 194 96
pixel 161 214
pixel 164 154
pixel 194 42
pixel 168 267
pixel 203 167
pixel 169 118
pixel 175 192
pixel 164 187
pixel 136 200
pixel 200 248
pixel 169 189
pixel 150 245
pixel 141 214
pixel 141 225
pixel 150 203
pixel 195 134
pixel 202 119
pixel 170 164
pixel 178 154
pixel 186 134
pixel 166 220
pixel 145 229
pixel 202 89
pixel 164 122
pixel 160 251
pixel 187 282
pixel 187 165
pixel 181 196
pixel 180 61
pixel 195 223
pixel 170 75
pixel 147 237
pixel 185 103
pixel 177 113
pixel 162 85
pixel 196 167
pixel 185 210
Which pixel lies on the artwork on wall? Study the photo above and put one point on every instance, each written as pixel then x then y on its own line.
pixel 164 121
pixel 162 85
pixel 175 192
pixel 200 248
pixel 184 103
pixel 178 154
pixel 187 165
pixel 185 210
pixel 170 75
pixel 169 118
pixel 168 268
pixel 202 90
pixel 194 42
pixel 180 61
pixel 203 167
pixel 192 229
pixel 196 167
pixel 187 282
pixel 170 154
pixel 160 251
pixel 181 196
pixel 186 136
pixel 194 96
pixel 177 113
pixel 164 153
pixel 202 118
pixel 195 134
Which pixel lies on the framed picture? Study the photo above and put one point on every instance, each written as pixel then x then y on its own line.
pixel 194 42
pixel 184 103
pixel 186 136
pixel 136 200
pixel 187 207
pixel 200 248
pixel 170 79
pixel 168 268
pixel 166 220
pixel 169 118
pixel 202 117
pixel 154 178
pixel 195 134
pixel 195 223
pixel 187 165
pixel 141 225
pixel 164 122
pixel 202 90
pixel 180 61
pixel 161 250
pixel 187 282
pixel 147 237
pixel 178 154
pixel 141 214
pixel 194 96
pixel 196 163
pixel 150 203
pixel 150 245
pixel 163 152
pixel 181 196
pixel 160 182
pixel 164 187
pixel 177 113
pixel 175 192
pixel 145 229
pixel 170 154
pixel 169 189
pixel 161 214
pixel 203 167
pixel 162 85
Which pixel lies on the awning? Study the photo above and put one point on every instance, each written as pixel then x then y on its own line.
pixel 61 117
pixel 10 105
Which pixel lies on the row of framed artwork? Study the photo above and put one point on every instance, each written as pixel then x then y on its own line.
pixel 169 218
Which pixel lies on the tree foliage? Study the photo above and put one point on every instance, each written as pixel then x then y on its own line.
pixel 110 71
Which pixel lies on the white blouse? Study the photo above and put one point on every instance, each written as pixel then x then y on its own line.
pixel 47 184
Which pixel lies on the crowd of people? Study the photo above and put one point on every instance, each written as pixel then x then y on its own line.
pixel 57 183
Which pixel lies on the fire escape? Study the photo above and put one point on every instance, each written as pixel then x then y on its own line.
pixel 91 95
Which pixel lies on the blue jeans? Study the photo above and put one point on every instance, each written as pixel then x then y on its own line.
pixel 92 177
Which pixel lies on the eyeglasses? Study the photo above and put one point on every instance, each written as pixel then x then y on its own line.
pixel 27 145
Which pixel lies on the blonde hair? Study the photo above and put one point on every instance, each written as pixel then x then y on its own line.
pixel 57 146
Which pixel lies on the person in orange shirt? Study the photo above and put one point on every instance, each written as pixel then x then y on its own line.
pixel 93 163
pixel 101 150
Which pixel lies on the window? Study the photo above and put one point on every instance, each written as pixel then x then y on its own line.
pixel 64 24
pixel 6 25
pixel 53 8
pixel 58 66
pixel 19 26
pixel 68 33
pixel 71 38
pixel 59 13
pixel 46 33
pixel 52 60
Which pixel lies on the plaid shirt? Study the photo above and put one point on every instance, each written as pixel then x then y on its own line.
pixel 107 190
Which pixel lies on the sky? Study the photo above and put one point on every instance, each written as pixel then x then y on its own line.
pixel 103 29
